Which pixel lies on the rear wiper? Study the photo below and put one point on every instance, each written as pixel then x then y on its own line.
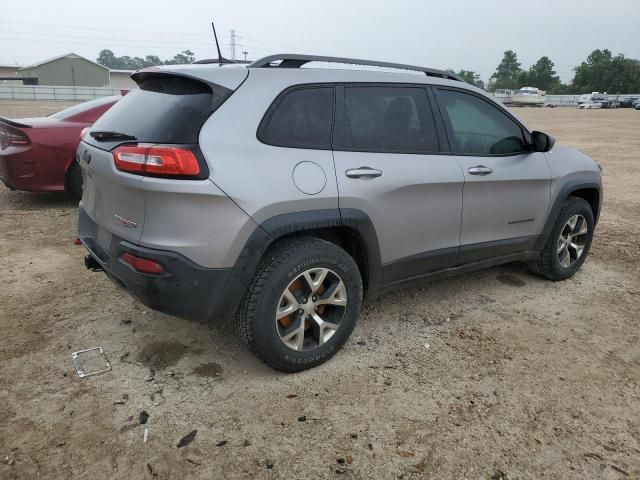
pixel 106 135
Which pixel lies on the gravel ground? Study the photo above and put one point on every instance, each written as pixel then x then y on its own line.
pixel 497 374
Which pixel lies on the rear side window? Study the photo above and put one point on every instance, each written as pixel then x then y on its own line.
pixel 387 119
pixel 300 118
pixel 478 128
pixel 164 109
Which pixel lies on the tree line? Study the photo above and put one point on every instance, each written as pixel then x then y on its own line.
pixel 601 72
pixel 108 59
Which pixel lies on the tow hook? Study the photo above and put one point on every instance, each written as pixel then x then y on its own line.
pixel 92 264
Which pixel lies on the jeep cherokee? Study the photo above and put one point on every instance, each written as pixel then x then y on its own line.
pixel 280 195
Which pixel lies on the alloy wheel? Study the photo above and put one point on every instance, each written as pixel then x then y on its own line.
pixel 311 309
pixel 572 240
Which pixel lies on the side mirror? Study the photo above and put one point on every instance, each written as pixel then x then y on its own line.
pixel 542 142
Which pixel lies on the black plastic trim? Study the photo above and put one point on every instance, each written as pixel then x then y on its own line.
pixel 296 61
pixel 459 269
pixel 279 226
pixel 419 264
pixel 185 290
pixel 437 260
pixel 498 248
pixel 564 193
pixel 354 219
pixel 14 123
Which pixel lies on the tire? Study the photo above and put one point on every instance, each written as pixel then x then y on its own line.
pixel 283 270
pixel 74 181
pixel 549 263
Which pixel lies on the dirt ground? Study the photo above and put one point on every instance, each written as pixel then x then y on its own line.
pixel 494 375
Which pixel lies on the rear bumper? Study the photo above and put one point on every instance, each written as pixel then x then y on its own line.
pixel 16 171
pixel 185 290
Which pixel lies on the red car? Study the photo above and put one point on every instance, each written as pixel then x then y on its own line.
pixel 37 154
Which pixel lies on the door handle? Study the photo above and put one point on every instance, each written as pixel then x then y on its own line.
pixel 363 172
pixel 480 170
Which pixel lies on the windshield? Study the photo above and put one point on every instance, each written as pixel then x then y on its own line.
pixel 82 107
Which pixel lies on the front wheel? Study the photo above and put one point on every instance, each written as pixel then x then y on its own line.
pixel 569 242
pixel 302 304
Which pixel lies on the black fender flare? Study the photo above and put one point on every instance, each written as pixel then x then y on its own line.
pixel 565 192
pixel 280 226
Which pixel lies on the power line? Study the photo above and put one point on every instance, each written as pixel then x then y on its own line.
pixel 128 41
pixel 163 48
pixel 133 30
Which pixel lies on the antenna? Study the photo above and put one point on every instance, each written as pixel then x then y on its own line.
pixel 221 59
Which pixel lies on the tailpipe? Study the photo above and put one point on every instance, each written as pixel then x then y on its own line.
pixel 92 264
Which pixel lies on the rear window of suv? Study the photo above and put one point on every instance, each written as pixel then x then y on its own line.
pixel 164 109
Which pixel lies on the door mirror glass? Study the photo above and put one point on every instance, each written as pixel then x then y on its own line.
pixel 542 142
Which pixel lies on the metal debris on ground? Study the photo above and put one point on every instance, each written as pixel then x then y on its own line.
pixel 77 363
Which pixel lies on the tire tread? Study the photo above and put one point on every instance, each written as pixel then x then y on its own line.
pixel 280 253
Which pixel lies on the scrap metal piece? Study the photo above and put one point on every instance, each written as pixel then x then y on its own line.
pixel 78 364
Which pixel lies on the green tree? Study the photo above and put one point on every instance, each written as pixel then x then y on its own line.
pixel 541 75
pixel 110 60
pixel 152 61
pixel 470 77
pixel 508 74
pixel 602 72
pixel 186 56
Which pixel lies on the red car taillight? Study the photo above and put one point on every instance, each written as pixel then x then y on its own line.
pixel 12 137
pixel 143 265
pixel 170 161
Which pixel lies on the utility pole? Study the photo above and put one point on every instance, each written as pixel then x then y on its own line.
pixel 245 53
pixel 233 44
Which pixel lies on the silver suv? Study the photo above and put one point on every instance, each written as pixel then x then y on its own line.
pixel 280 195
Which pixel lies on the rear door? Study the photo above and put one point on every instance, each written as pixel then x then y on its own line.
pixel 392 163
pixel 507 186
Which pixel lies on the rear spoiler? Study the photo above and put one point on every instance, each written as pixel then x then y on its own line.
pixel 13 123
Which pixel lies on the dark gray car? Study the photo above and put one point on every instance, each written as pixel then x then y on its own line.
pixel 281 195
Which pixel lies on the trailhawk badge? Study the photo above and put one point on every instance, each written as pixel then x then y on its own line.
pixel 125 223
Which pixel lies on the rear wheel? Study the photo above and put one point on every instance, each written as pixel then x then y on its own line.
pixel 302 305
pixel 569 242
pixel 74 181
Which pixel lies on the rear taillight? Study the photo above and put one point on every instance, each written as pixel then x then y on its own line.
pixel 155 160
pixel 12 137
pixel 142 265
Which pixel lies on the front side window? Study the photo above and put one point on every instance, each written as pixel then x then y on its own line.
pixel 478 128
pixel 386 119
pixel 300 118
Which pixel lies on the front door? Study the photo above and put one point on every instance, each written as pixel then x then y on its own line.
pixel 392 164
pixel 507 186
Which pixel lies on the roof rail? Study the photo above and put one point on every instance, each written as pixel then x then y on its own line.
pixel 297 61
